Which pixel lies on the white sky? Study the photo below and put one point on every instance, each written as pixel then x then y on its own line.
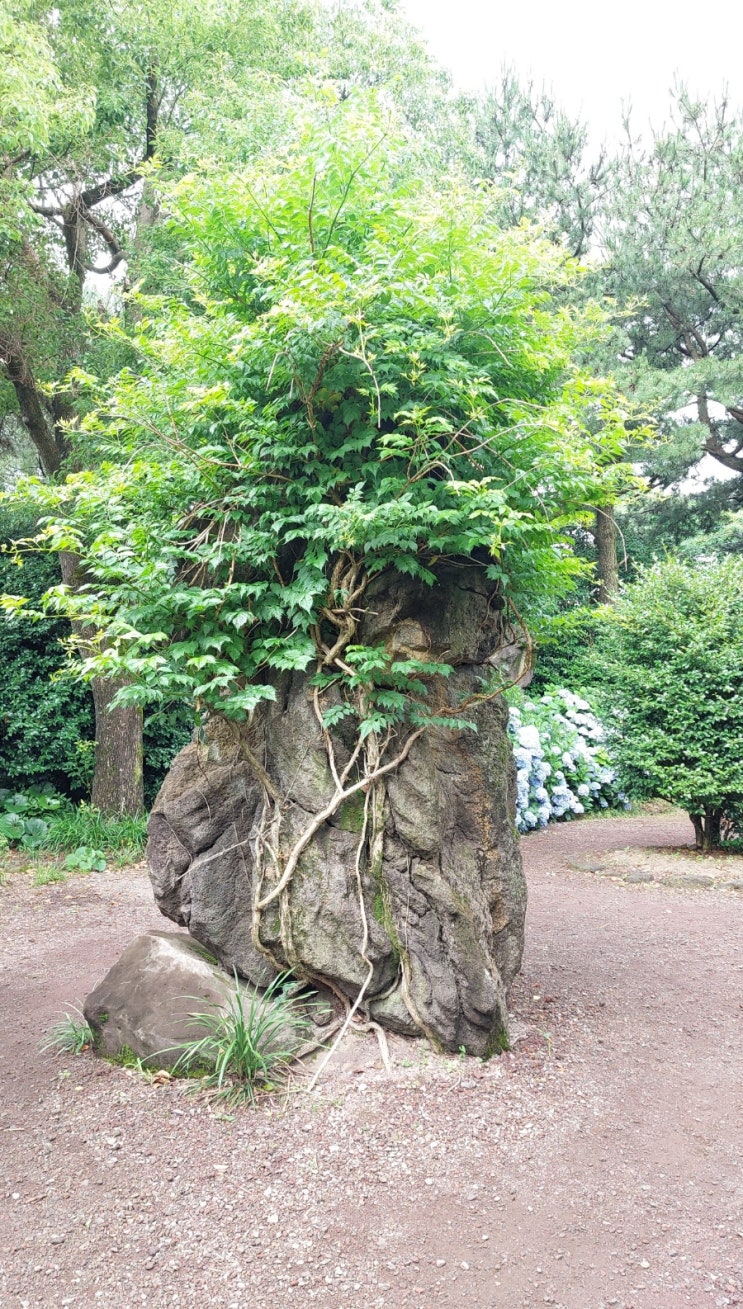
pixel 593 55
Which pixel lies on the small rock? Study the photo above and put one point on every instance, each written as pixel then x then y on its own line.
pixel 639 875
pixel 689 880
pixel 735 884
pixel 586 865
pixel 57 1240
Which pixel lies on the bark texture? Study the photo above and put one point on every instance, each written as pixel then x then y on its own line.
pixel 117 779
pixel 607 566
pixel 118 786
pixel 443 892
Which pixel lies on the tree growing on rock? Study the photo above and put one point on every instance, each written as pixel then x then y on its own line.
pixel 365 385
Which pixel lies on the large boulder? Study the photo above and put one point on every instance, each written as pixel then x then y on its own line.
pixel 146 1002
pixel 444 895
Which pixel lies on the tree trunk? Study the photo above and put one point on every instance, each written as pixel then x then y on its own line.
pixel 607 567
pixel 707 829
pixel 714 818
pixel 48 439
pixel 117 780
pixel 117 771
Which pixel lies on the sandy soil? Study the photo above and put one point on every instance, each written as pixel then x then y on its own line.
pixel 598 1164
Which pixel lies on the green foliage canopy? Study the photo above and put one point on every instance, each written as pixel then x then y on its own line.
pixel 362 374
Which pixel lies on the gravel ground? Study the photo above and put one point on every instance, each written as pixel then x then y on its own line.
pixel 598 1164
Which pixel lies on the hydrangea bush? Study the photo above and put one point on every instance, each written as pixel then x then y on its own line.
pixel 562 767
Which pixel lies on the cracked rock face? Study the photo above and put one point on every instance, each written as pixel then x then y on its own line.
pixel 444 900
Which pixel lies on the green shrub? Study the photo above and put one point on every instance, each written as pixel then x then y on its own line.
pixel 165 733
pixel 47 725
pixel 563 651
pixel 670 660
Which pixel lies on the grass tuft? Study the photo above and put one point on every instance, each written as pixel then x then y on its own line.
pixel 45 874
pixel 86 827
pixel 71 1035
pixel 244 1047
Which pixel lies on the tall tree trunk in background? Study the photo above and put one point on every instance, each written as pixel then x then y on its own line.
pixel 607 566
pixel 117 773
pixel 117 779
pixel 47 438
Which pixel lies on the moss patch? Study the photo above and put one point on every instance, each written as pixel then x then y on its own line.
pixel 350 815
pixel 497 1044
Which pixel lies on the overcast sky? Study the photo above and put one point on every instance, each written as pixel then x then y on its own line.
pixel 594 55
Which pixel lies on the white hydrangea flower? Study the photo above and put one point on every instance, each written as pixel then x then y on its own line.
pixel 529 739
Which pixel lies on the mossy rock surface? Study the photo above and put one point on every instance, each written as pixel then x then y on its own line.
pixel 444 904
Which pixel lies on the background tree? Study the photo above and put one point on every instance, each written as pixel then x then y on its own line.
pixel 671 243
pixel 540 160
pixel 546 173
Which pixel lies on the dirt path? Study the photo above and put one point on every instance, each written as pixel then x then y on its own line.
pixel 598 1164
